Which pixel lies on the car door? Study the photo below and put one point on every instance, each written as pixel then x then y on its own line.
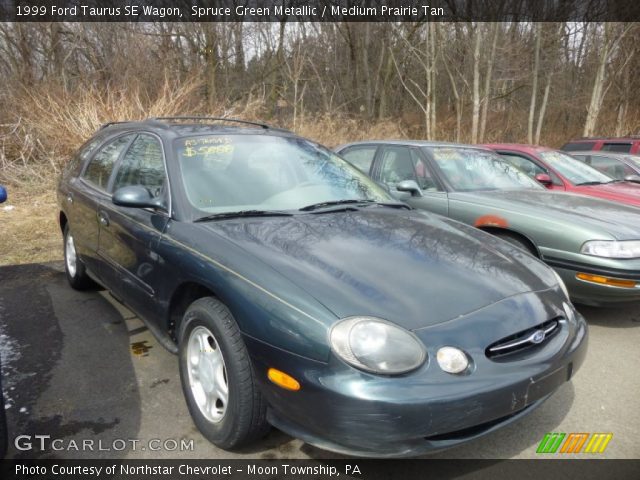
pixel 396 163
pixel 83 198
pixel 129 237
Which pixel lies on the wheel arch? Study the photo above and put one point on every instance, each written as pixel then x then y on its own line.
pixel 184 295
pixel 507 231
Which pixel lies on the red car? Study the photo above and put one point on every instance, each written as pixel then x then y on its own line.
pixel 557 170
pixel 629 144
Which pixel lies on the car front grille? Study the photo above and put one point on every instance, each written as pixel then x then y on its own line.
pixel 525 342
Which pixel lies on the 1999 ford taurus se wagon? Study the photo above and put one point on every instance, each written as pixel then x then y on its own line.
pixel 298 293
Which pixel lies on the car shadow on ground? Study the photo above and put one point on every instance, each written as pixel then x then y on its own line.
pixel 67 369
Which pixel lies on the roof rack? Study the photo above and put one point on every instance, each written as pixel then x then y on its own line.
pixel 108 124
pixel 215 119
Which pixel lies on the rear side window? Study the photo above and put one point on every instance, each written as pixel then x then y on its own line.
pixel 143 164
pixel 360 157
pixel 83 153
pixel 577 146
pixel 99 169
pixel 617 147
pixel 612 167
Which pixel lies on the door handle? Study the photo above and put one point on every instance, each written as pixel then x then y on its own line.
pixel 103 219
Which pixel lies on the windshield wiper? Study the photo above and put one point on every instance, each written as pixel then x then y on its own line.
pixel 390 205
pixel 243 213
pixel 332 203
pixel 591 183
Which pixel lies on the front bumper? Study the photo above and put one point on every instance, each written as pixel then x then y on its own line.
pixel 594 294
pixel 345 410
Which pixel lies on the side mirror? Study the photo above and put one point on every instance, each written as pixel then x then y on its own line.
pixel 136 196
pixel 3 194
pixel 628 178
pixel 544 179
pixel 409 186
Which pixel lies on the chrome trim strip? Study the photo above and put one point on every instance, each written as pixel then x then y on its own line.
pixel 529 339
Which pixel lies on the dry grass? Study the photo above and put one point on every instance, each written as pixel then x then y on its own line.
pixel 29 231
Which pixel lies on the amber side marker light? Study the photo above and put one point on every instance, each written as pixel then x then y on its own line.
pixel 283 380
pixel 614 282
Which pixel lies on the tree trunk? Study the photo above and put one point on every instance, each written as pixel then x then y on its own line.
pixel 534 86
pixel 476 86
pixel 487 82
pixel 597 92
pixel 211 64
pixel 543 109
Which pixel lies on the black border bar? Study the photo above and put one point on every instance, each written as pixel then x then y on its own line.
pixel 319 10
pixel 364 469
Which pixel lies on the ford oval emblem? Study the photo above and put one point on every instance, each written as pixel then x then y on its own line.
pixel 538 336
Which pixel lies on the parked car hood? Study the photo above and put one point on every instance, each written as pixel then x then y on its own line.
pixel 622 222
pixel 410 267
pixel 624 192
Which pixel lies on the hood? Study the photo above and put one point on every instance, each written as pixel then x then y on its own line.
pixel 409 267
pixel 622 222
pixel 623 192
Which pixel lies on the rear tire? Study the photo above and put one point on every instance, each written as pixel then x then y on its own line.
pixel 217 377
pixel 517 241
pixel 73 266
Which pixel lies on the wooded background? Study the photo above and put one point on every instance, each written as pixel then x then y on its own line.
pixel 540 83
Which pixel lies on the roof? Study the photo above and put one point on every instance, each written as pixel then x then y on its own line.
pixel 628 138
pixel 196 125
pixel 605 153
pixel 519 147
pixel 411 143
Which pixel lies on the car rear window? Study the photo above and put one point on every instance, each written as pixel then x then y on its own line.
pixel 617 147
pixel 577 146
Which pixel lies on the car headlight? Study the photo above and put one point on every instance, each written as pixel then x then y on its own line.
pixel 612 248
pixel 562 285
pixel 377 346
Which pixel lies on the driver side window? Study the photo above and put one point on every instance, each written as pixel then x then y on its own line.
pixel 396 166
pixel 528 167
pixel 400 163
pixel 143 164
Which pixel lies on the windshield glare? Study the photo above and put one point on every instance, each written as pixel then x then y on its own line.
pixel 574 170
pixel 470 169
pixel 230 173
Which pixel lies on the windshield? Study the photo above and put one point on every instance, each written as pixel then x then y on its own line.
pixel 230 173
pixel 470 169
pixel 574 170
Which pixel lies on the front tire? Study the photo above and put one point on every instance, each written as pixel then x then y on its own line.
pixel 217 376
pixel 73 266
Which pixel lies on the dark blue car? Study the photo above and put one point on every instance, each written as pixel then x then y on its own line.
pixel 298 293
